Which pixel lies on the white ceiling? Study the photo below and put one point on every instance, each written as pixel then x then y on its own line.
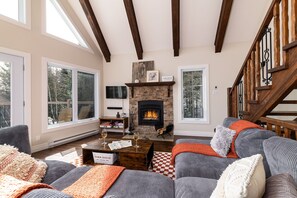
pixel 198 23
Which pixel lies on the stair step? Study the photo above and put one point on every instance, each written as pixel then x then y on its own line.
pixel 283 113
pixel 289 102
pixel 268 87
pixel 290 46
pixel 277 69
pixel 253 101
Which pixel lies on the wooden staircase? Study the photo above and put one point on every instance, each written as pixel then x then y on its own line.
pixel 269 72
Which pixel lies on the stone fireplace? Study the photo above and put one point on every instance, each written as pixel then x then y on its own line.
pixel 151 104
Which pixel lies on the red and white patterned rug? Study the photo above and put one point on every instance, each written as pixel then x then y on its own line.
pixel 161 164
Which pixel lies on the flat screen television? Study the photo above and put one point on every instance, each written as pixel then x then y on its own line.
pixel 116 92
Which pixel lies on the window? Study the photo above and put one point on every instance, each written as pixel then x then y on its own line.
pixel 70 95
pixel 15 11
pixel 193 91
pixel 59 25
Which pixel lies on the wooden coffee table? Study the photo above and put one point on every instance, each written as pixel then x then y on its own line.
pixel 130 157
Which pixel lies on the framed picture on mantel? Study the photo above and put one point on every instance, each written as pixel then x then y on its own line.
pixel 139 70
pixel 152 76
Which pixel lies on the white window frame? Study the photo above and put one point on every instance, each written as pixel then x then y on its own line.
pixel 26 21
pixel 75 121
pixel 205 79
pixel 27 84
pixel 68 22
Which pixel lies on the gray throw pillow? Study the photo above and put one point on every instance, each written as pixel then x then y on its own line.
pixel 222 140
pixel 281 185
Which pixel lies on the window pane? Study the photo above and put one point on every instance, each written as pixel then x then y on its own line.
pixel 14 9
pixel 58 24
pixel 192 94
pixel 85 95
pixel 59 95
pixel 5 69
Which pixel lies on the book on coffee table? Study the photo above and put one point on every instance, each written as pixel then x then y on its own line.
pixel 119 144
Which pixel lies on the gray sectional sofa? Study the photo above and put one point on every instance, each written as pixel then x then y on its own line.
pixel 132 183
pixel 249 142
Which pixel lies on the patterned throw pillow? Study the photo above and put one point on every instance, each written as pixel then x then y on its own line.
pixel 244 178
pixel 20 165
pixel 222 140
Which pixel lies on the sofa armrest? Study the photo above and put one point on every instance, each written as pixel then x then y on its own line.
pixel 16 136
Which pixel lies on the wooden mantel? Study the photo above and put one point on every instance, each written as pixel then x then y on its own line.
pixel 143 84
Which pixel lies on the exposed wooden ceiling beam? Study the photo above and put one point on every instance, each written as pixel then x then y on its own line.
pixel 95 28
pixel 175 7
pixel 222 26
pixel 134 27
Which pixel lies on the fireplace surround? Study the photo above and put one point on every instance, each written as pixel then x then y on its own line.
pixel 159 91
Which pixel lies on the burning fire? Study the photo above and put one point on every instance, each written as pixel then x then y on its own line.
pixel 151 115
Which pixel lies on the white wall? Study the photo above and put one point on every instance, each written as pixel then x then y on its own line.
pixel 32 41
pixel 223 69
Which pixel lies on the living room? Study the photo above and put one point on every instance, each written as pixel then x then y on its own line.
pixel 198 24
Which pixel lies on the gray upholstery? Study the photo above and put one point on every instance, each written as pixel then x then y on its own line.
pixel 281 154
pixel 45 193
pixel 55 170
pixel 190 187
pixel 131 183
pixel 228 121
pixel 70 177
pixel 281 185
pixel 248 143
pixel 198 165
pixel 193 141
pixel 16 136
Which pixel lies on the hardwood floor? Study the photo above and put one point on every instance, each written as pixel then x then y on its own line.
pixel 76 145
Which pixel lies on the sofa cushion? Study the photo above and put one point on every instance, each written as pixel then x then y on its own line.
pixel 281 154
pixel 281 185
pixel 55 170
pixel 243 178
pixel 45 193
pixel 253 140
pixel 188 187
pixel 20 165
pixel 131 183
pixel 222 140
pixel 198 165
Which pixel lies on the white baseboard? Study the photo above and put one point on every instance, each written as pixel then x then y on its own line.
pixel 193 133
pixel 39 147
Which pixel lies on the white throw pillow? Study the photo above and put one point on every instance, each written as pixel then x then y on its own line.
pixel 244 178
pixel 222 140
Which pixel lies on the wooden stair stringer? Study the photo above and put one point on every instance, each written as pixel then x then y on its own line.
pixel 283 83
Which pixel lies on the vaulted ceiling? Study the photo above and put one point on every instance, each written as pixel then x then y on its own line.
pixel 140 26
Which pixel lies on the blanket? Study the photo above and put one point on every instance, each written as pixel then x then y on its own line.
pixel 11 187
pixel 205 149
pixel 95 183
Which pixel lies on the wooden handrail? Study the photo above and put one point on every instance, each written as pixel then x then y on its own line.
pixel 259 35
pixel 288 124
pixel 282 127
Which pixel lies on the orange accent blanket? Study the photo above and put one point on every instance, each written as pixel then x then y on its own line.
pixel 205 149
pixel 95 183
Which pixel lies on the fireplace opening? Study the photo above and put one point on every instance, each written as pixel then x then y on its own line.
pixel 150 112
